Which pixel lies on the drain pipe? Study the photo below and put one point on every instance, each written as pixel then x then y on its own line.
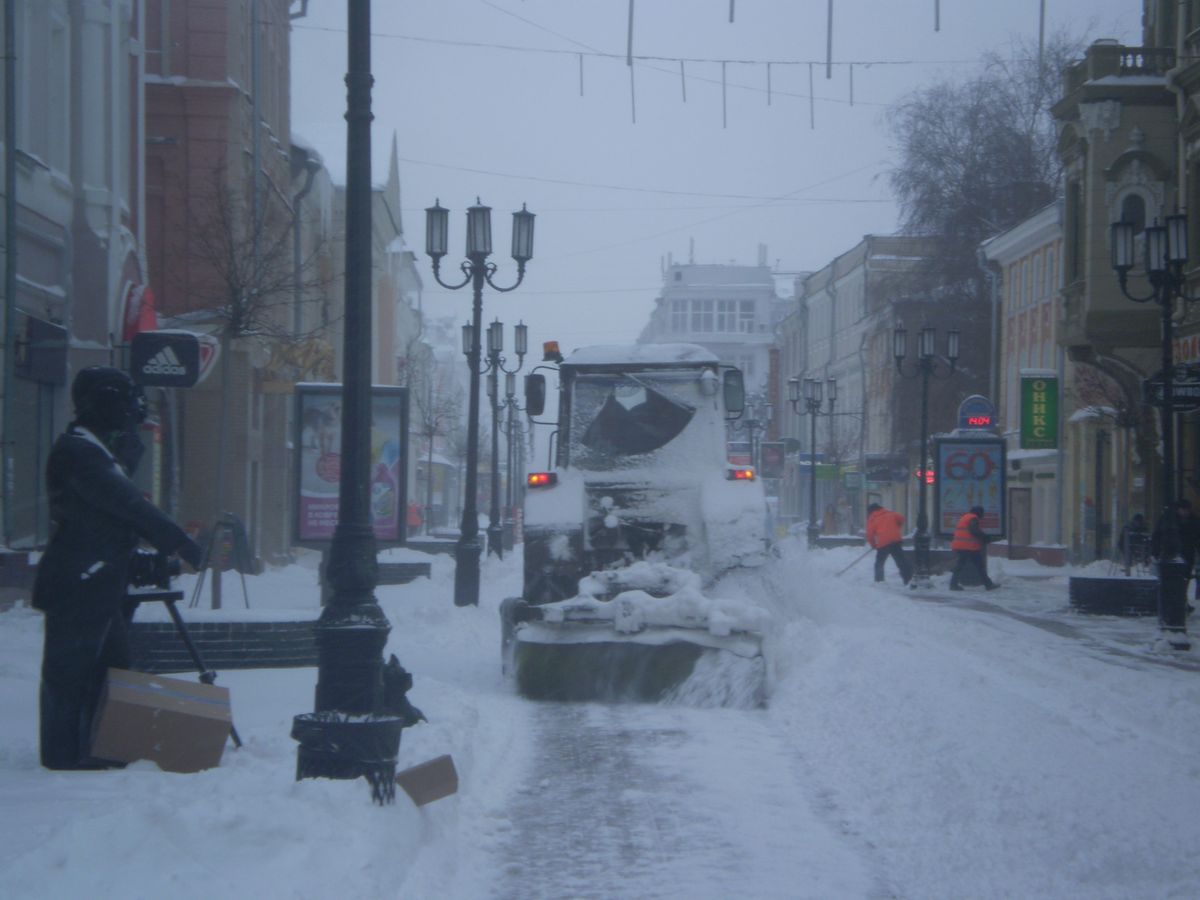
pixel 10 257
pixel 991 271
pixel 311 167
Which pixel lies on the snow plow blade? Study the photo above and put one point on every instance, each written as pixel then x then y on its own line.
pixel 608 670
pixel 590 662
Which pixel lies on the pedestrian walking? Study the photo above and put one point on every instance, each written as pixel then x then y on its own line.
pixel 969 543
pixel 97 516
pixel 1188 528
pixel 885 533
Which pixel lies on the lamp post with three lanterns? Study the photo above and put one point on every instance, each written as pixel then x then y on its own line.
pixel 1166 256
pixel 812 398
pixel 495 365
pixel 926 367
pixel 514 434
pixel 757 419
pixel 477 271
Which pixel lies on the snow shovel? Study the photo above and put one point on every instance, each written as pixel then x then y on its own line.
pixel 856 562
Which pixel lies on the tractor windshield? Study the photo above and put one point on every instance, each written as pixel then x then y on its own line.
pixel 615 416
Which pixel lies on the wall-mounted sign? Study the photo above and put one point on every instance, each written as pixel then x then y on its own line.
pixel 1039 412
pixel 319 463
pixel 41 350
pixel 885 468
pixel 1185 388
pixel 165 358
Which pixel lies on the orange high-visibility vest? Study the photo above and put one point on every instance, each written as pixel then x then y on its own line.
pixel 883 528
pixel 963 539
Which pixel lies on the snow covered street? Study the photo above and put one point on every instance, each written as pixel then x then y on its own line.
pixel 914 746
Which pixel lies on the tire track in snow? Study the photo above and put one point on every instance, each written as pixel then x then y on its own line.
pixel 662 801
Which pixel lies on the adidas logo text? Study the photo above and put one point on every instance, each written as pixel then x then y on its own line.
pixel 164 362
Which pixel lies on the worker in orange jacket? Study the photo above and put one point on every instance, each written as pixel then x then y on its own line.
pixel 968 545
pixel 885 533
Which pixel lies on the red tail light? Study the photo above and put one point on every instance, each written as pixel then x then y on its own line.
pixel 741 474
pixel 542 479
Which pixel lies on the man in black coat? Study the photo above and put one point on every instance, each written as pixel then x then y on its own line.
pixel 97 518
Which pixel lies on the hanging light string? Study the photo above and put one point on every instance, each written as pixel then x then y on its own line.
pixel 640 57
pixel 648 61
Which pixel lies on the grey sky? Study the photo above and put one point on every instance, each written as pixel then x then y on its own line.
pixel 614 197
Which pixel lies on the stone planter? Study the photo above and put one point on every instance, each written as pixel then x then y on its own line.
pixel 1116 596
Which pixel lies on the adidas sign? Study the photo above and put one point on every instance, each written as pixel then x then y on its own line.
pixel 164 362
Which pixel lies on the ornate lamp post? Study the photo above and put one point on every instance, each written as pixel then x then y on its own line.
pixel 349 735
pixel 757 420
pixel 495 365
pixel 514 433
pixel 812 398
pixel 476 271
pixel 926 367
pixel 1166 256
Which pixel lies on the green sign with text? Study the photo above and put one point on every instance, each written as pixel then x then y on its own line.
pixel 1039 412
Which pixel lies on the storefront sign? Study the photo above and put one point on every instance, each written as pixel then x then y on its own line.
pixel 1039 412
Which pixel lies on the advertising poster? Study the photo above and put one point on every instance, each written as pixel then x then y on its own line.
pixel 969 472
pixel 771 456
pixel 319 463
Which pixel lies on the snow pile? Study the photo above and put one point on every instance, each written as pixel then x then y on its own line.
pixel 649 594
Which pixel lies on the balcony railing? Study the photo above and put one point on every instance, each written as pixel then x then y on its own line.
pixel 1107 60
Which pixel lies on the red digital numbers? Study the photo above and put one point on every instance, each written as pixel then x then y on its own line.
pixel 983 421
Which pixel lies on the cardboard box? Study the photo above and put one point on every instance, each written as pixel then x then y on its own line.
pixel 429 781
pixel 181 725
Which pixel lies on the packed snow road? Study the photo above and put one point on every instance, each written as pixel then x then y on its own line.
pixel 646 801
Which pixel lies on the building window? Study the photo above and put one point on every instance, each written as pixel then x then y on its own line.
pixel 1133 209
pixel 727 316
pixel 746 317
pixel 679 313
pixel 1074 230
pixel 702 316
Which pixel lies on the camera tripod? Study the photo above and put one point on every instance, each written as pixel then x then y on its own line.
pixel 229 527
pixel 168 599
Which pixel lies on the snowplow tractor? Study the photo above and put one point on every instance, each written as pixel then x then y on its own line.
pixel 626 537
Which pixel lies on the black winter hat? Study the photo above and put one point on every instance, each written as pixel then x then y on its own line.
pixel 872 507
pixel 978 510
pixel 105 397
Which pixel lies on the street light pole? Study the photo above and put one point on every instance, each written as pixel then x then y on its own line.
pixel 812 401
pixel 495 366
pixel 350 735
pixel 926 367
pixel 511 444
pixel 477 271
pixel 1166 255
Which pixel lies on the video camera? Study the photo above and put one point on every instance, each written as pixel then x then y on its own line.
pixel 149 568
